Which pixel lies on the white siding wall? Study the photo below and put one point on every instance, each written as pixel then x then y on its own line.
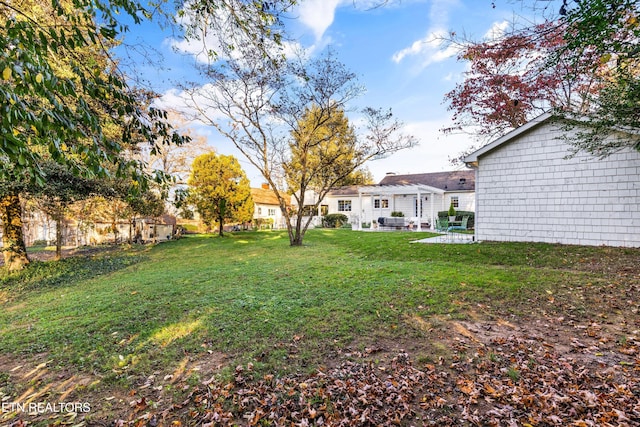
pixel 528 191
pixel 466 201
pixel 261 211
pixel 332 203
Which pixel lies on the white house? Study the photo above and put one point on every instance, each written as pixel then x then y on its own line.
pixel 418 196
pixel 267 210
pixel 529 189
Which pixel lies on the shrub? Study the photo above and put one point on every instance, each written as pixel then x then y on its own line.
pixel 452 210
pixel 397 214
pixel 263 223
pixel 334 220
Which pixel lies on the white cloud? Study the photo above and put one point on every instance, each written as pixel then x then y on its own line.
pixel 432 47
pixel 318 15
pixel 497 30
pixel 201 41
pixel 450 77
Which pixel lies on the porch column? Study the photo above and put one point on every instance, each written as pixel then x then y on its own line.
pixel 433 220
pixel 419 210
pixel 361 213
pixel 372 211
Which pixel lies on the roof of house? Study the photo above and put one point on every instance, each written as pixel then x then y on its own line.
pixel 264 196
pixel 168 219
pixel 347 190
pixel 472 159
pixel 462 180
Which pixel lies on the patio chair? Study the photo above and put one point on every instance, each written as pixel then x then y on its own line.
pixel 442 224
pixel 462 226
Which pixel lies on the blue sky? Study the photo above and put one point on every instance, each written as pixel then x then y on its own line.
pixel 395 53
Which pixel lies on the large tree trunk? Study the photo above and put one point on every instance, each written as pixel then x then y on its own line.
pixel 58 237
pixel 295 239
pixel 13 246
pixel 220 226
pixel 222 207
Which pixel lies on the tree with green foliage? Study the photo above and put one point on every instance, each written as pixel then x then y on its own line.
pixel 608 30
pixel 65 101
pixel 63 92
pixel 220 190
pixel 323 151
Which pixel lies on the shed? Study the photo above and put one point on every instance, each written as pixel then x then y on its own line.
pixel 529 188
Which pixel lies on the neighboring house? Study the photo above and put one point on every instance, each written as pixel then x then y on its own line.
pixel 529 189
pixel 267 212
pixel 418 196
pixel 40 228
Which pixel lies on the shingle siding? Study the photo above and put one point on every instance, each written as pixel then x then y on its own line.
pixel 528 190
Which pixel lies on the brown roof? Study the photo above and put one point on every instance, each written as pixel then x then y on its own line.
pixel 463 180
pixel 347 190
pixel 264 196
pixel 169 219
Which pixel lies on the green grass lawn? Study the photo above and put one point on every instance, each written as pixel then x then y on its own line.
pixel 252 298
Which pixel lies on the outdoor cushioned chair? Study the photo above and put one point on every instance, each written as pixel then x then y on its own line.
pixel 442 224
pixel 462 226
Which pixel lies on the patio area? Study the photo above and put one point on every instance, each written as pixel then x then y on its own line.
pixel 454 238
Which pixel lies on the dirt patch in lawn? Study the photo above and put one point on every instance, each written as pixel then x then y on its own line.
pixel 35 392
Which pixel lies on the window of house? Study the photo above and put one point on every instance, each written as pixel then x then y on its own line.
pixel 272 212
pixel 259 211
pixel 381 203
pixel 454 201
pixel 417 207
pixel 344 205
pixel 324 210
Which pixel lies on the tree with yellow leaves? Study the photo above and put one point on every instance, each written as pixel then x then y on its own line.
pixel 219 190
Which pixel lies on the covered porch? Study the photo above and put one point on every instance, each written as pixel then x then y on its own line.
pixel 418 203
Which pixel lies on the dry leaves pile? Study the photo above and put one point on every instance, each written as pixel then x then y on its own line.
pixel 525 382
pixel 508 381
pixel 352 394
